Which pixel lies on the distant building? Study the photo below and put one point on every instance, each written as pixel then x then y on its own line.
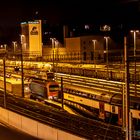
pixel 79 49
pixel 82 49
pixel 31 37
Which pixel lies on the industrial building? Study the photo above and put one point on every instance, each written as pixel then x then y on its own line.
pixel 78 49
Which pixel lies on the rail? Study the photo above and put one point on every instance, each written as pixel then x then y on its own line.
pixel 83 127
pixel 106 86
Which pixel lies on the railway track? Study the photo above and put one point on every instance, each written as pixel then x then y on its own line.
pixel 105 86
pixel 83 127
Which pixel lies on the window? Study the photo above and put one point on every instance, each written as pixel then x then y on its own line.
pixel 84 42
pixel 53 88
pixel 85 55
pixel 92 55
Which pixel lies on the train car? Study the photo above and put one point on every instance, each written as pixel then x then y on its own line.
pixel 14 87
pixel 29 65
pixel 43 89
pixel 89 71
pixel 109 106
pixel 50 75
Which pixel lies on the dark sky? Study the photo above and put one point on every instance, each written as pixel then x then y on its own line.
pixel 68 10
pixel 86 10
pixel 12 12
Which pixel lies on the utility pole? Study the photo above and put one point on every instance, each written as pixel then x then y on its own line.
pixel 126 93
pixel 135 71
pixel 53 60
pixel 62 95
pixel 4 75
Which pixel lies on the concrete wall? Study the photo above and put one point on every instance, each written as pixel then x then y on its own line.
pixel 34 128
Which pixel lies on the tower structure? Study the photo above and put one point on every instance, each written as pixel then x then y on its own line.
pixel 31 32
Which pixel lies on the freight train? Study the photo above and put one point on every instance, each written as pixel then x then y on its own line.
pixel 14 86
pixel 108 106
pixel 43 66
pixel 115 73
pixel 100 73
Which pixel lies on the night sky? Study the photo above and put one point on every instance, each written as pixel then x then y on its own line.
pixel 89 11
pixel 13 12
pixel 68 10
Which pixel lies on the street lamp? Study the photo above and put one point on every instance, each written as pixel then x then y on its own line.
pixel 5 46
pixel 106 39
pixel 14 44
pixel 25 46
pixel 134 36
pixel 57 48
pixel 22 74
pixel 4 75
pixel 94 43
pixel 53 48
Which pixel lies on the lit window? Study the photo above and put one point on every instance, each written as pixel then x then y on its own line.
pixel 86 27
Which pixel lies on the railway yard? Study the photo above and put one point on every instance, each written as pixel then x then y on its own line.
pixel 87 93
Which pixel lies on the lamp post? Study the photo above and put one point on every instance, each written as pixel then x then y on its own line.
pixel 4 72
pixel 126 96
pixel 56 53
pixel 94 43
pixel 53 48
pixel 25 46
pixel 14 44
pixel 57 49
pixel 5 46
pixel 106 39
pixel 22 73
pixel 134 37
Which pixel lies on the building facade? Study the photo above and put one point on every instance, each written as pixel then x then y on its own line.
pixel 81 49
pixel 31 37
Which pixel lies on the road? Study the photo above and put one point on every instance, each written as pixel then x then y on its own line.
pixel 8 133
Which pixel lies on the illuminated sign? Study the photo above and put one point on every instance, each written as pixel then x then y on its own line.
pixel 33 34
pixel 34 31
pixel 105 28
pixel 30 22
pixel 33 22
